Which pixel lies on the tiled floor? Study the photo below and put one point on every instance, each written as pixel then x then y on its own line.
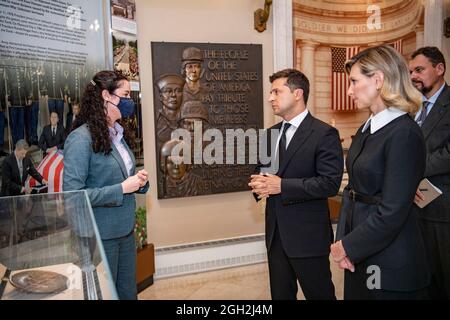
pixel 241 283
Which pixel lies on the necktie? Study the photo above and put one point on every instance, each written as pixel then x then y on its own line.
pixel 423 113
pixel 282 146
pixel 54 131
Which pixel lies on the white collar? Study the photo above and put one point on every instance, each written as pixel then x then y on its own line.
pixel 382 118
pixel 298 119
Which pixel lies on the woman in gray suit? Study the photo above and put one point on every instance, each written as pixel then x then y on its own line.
pixel 97 158
pixel 378 237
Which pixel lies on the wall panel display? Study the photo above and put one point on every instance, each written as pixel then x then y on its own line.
pixel 123 14
pixel 211 96
pixel 49 49
pixel 125 57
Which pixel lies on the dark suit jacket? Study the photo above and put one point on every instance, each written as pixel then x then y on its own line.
pixel 311 172
pixel 11 183
pixel 388 164
pixel 69 122
pixel 436 131
pixel 47 140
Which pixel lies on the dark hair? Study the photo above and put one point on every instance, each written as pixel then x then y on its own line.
pixel 93 111
pixel 432 53
pixel 129 131
pixel 295 80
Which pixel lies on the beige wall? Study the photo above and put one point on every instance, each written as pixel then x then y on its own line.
pixel 186 220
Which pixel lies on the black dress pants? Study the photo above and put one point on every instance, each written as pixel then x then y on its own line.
pixel 313 274
pixel 436 236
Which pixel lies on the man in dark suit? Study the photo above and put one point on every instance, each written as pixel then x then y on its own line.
pixel 71 116
pixel 15 170
pixel 427 68
pixel 52 136
pixel 298 227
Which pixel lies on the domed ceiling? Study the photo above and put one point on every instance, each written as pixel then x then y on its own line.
pixel 350 22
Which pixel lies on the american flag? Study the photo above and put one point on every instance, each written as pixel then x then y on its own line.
pixel 339 84
pixel 51 168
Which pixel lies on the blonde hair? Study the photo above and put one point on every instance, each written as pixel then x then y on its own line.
pixel 397 90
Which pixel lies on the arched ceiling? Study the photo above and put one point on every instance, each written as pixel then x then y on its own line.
pixel 345 22
pixel 350 8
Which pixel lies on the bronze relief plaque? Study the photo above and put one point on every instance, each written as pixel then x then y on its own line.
pixel 209 90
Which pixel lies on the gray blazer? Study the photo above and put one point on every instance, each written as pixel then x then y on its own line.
pixel 101 175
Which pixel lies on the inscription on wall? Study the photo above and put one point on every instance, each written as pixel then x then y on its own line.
pixel 306 25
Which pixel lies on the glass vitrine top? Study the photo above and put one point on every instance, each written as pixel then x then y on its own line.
pixel 50 249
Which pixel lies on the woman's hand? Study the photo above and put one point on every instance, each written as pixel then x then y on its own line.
pixel 340 257
pixel 143 176
pixel 134 183
pixel 131 184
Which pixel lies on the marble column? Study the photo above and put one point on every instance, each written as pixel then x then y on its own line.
pixel 434 21
pixel 283 55
pixel 282 35
pixel 307 49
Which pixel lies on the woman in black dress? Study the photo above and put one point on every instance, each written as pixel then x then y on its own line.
pixel 378 241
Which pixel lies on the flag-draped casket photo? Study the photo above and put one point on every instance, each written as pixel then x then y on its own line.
pixel 51 168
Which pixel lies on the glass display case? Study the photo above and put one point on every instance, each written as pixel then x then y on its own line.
pixel 50 249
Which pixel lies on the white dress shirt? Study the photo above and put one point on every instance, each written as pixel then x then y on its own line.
pixel 295 123
pixel 116 135
pixel 20 166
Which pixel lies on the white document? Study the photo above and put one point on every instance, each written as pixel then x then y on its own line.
pixel 430 192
